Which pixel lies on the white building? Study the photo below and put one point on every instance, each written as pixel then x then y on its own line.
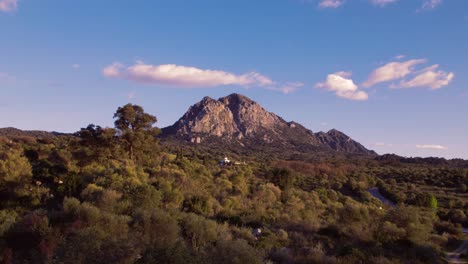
pixel 225 161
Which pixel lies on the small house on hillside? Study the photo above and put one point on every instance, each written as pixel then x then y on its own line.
pixel 225 162
pixel 257 233
pixel 228 162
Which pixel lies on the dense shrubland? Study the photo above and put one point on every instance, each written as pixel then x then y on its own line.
pixel 115 195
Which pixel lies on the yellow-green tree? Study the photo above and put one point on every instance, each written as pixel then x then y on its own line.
pixel 15 174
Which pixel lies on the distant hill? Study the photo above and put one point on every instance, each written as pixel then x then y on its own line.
pixel 392 158
pixel 11 132
pixel 237 122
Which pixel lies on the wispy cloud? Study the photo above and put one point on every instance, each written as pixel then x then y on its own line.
pixel 426 4
pixel 343 86
pixel 383 2
pixel 8 5
pixel 382 144
pixel 429 77
pixel 289 87
pixel 76 66
pixel 431 4
pixel 331 3
pixel 131 95
pixel 434 147
pixel 392 71
pixel 400 57
pixel 183 76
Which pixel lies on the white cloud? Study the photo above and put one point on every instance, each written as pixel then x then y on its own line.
pixel 183 76
pixel 343 86
pixel 435 147
pixel 431 4
pixel 382 2
pixel 8 5
pixel 429 77
pixel 400 57
pixel 331 3
pixel 113 70
pixel 76 66
pixel 392 71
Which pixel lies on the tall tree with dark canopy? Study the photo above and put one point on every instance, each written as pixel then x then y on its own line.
pixel 96 144
pixel 136 131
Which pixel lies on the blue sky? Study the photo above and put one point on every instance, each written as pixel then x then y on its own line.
pixel 389 73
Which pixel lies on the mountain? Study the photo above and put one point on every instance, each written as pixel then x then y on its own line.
pixel 236 121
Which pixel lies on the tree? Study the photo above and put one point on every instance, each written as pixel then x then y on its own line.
pixel 283 178
pixel 96 144
pixel 426 200
pixel 135 129
pixel 15 175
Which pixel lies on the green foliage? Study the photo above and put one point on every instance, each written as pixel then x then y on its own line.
pixel 157 228
pixel 199 231
pixel 15 169
pixel 7 219
pixel 416 222
pixel 235 252
pixel 115 195
pixel 197 204
pixel 283 178
pixel 96 144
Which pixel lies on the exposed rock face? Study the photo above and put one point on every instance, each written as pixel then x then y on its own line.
pixel 249 117
pixel 239 119
pixel 209 117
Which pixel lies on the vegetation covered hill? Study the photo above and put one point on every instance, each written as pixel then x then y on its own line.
pixel 11 132
pixel 116 195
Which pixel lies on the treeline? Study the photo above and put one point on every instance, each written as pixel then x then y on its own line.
pixel 395 159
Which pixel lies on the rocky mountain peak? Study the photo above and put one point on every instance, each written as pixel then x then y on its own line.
pixel 238 118
pixel 236 99
pixel 341 142
pixel 206 100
